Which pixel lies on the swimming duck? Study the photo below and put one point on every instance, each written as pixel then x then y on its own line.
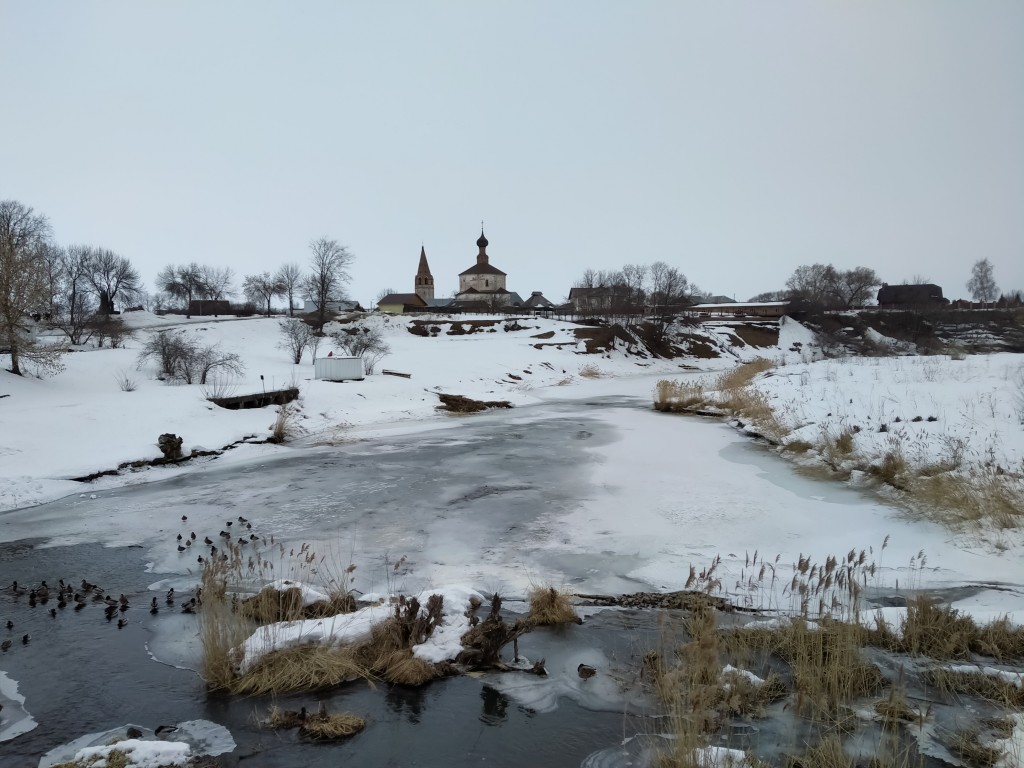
pixel 5 646
pixel 585 671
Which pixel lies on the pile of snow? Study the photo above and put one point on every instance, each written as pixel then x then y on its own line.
pixel 16 720
pixel 139 753
pixel 444 643
pixel 310 596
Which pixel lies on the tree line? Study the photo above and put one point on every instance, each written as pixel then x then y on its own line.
pixel 633 290
pixel 78 288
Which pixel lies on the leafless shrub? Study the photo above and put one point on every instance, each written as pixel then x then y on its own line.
pixel 365 342
pixel 125 382
pixel 218 387
pixel 296 337
pixel 111 330
pixel 591 371
pixel 166 348
pixel 181 357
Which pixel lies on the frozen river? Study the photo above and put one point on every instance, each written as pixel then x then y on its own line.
pixel 604 496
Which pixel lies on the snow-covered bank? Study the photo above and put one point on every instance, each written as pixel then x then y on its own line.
pixel 81 421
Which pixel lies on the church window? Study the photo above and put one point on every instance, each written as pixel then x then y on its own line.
pixel 487 283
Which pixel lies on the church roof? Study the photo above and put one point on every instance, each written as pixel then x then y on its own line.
pixel 482 269
pixel 403 298
pixel 424 268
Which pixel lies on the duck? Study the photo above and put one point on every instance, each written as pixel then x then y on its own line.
pixel 133 732
pixel 123 600
pixel 25 638
pixel 586 671
pixel 181 548
pixel 179 537
pixel 53 613
pixel 207 541
pixel 291 719
pixel 10 625
pixel 242 519
pixel 184 518
pixel 16 590
pixel 163 731
pixel 122 623
pixel 5 646
pixel 79 606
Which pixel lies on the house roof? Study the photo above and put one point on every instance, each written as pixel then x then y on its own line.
pixel 537 300
pixel 403 298
pixel 602 290
pixel 482 269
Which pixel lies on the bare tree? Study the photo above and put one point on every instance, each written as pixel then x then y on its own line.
pixel 73 307
pixel 112 277
pixel 854 287
pixel 184 283
pixel 669 287
pixel 290 278
pixel 813 283
pixel 770 296
pixel 24 285
pixel 982 284
pixel 296 336
pixel 261 288
pixel 330 263
pixel 216 282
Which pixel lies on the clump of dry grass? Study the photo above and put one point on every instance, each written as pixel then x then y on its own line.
pixel 221 630
pixel 990 687
pixel 825 661
pixel 321 725
pixel 797 446
pixel 979 496
pixel 742 375
pixel 942 632
pixel 827 753
pixel 550 606
pixel 324 726
pixel 892 469
pixel 283 428
pixel 894 709
pixel 935 630
pixel 271 605
pixel 301 668
pixel 967 745
pixel 591 371
pixel 674 396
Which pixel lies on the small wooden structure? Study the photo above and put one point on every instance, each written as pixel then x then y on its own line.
pixel 339 368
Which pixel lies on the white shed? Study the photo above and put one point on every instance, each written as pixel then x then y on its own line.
pixel 338 368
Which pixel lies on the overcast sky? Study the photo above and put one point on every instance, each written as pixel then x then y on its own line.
pixel 733 140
